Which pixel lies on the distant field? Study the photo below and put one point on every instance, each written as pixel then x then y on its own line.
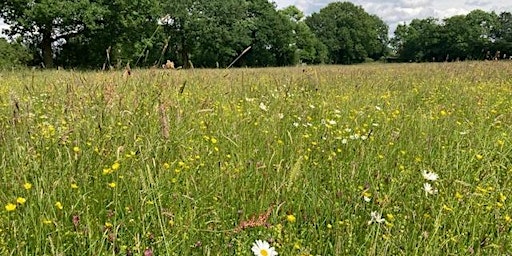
pixel 329 160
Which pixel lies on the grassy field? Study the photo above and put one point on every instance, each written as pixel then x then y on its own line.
pixel 398 159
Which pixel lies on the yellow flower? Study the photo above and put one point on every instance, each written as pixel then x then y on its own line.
pixel 447 208
pixel 479 157
pixel 167 166
pixel 27 186
pixel 74 186
pixel 10 207
pixel 20 200
pixel 76 149
pixel 107 171
pixel 112 184
pixel 115 166
pixel 47 222
pixel 59 205
pixel 290 218
pixel 108 225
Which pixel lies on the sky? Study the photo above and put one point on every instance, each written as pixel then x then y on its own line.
pixel 395 12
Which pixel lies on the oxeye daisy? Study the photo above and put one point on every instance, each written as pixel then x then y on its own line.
pixel 376 218
pixel 429 190
pixel 431 176
pixel 262 248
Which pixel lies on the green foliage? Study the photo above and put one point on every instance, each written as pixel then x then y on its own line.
pixel 350 33
pixel 13 54
pixel 477 35
pixel 309 48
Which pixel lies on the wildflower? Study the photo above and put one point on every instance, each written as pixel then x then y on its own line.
pixel 431 176
pixel 167 166
pixel 10 207
pixel 112 184
pixel 27 186
pixel 59 205
pixel 479 157
pixel 74 186
pixel 115 166
pixel 47 222
pixel 262 248
pixel 263 107
pixel 429 190
pixel 290 218
pixel 76 149
pixel 20 200
pixel 447 208
pixel 367 196
pixel 376 218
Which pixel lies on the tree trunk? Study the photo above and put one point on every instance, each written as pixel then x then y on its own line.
pixel 46 47
pixel 184 53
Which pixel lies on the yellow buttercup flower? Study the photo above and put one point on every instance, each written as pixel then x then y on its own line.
pixel 27 186
pixel 290 218
pixel 59 205
pixel 20 200
pixel 10 207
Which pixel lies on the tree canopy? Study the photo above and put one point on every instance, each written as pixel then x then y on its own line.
pixel 212 33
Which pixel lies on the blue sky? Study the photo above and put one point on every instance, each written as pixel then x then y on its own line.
pixel 395 12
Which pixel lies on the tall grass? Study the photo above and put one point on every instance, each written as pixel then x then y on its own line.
pixel 205 162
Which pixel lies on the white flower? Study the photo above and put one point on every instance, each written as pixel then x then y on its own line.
pixel 263 107
pixel 432 176
pixel 366 199
pixel 262 248
pixel 376 218
pixel 429 190
pixel 280 115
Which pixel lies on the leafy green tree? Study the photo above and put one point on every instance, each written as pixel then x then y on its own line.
pixel 13 54
pixel 502 34
pixel 309 47
pixel 421 40
pixel 81 30
pixel 349 32
pixel 127 32
pixel 46 22
pixel 272 36
pixel 470 36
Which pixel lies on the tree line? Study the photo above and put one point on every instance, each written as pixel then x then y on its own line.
pixel 213 33
pixel 478 35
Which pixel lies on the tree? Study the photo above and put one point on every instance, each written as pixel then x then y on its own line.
pixel 421 40
pixel 13 54
pixel 350 34
pixel 502 34
pixel 309 47
pixel 46 22
pixel 470 36
pixel 128 31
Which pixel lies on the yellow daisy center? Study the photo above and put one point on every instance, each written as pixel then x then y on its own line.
pixel 263 252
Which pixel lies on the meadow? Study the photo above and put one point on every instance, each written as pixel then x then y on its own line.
pixel 396 159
